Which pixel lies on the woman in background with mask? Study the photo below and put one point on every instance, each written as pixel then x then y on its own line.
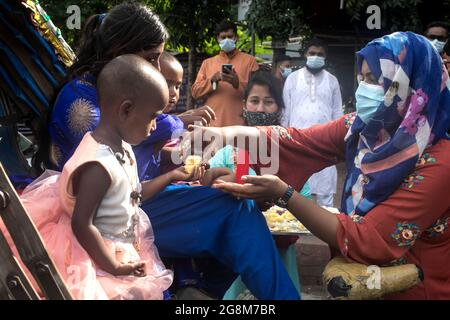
pixel 395 205
pixel 263 105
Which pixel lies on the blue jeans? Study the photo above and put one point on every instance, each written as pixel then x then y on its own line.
pixel 201 221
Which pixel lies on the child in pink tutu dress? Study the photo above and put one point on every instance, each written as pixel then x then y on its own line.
pixel 89 216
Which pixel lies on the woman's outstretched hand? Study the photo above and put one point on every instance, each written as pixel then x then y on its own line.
pixel 202 140
pixel 255 187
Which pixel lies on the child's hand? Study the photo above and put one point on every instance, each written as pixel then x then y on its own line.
pixel 214 174
pixel 132 268
pixel 180 174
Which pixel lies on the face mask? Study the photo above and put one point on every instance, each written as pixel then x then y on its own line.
pixel 315 62
pixel 227 45
pixel 286 72
pixel 260 118
pixel 439 45
pixel 368 99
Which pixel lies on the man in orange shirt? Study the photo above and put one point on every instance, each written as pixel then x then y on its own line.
pixel 224 88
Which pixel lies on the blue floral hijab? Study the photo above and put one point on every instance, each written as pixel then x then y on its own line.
pixel 414 114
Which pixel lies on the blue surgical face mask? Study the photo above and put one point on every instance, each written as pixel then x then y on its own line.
pixel 286 72
pixel 227 45
pixel 368 99
pixel 315 62
pixel 439 45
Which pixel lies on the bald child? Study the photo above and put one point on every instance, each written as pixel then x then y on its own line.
pixel 131 93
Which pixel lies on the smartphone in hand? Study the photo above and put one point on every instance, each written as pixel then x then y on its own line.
pixel 227 68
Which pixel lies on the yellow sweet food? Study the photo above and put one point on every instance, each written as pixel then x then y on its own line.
pixel 191 162
pixel 281 220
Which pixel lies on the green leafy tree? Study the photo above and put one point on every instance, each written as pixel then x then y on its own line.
pixel 57 10
pixel 277 19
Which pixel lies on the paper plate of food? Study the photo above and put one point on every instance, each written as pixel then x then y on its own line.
pixel 281 222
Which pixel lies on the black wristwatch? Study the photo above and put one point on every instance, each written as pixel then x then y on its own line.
pixel 283 201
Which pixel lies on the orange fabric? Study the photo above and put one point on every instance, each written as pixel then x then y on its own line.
pixel 310 150
pixel 226 101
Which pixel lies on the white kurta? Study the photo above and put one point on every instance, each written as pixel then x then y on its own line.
pixel 310 100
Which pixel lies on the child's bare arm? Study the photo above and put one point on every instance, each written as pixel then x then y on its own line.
pixel 152 187
pixel 224 174
pixel 90 184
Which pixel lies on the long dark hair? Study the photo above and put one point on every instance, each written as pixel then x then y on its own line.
pixel 127 28
pixel 265 78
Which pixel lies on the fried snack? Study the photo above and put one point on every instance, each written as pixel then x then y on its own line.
pixel 355 281
pixel 281 220
pixel 191 162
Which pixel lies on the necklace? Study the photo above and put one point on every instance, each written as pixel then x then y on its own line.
pixel 133 231
pixel 134 195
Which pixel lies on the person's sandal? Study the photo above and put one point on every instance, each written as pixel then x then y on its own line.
pixel 355 281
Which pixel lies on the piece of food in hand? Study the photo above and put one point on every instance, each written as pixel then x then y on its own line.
pixel 191 162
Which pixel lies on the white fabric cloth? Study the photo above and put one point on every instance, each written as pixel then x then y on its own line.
pixel 313 99
pixel 116 214
pixel 325 200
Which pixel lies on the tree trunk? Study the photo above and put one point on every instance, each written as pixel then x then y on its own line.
pixel 192 70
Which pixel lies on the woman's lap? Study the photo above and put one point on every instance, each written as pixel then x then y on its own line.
pixel 189 221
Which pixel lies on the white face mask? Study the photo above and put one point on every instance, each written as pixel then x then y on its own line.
pixel 368 98
pixel 227 45
pixel 439 45
pixel 286 72
pixel 315 62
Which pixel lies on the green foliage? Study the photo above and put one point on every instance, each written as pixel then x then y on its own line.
pixel 57 10
pixel 396 15
pixel 245 42
pixel 279 19
pixel 191 24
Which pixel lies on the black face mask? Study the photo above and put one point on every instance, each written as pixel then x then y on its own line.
pixel 252 118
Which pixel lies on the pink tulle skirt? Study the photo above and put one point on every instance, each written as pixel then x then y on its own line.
pixel 83 278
